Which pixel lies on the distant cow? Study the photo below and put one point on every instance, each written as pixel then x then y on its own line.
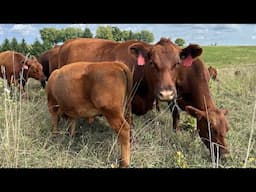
pixel 87 89
pixel 18 68
pixel 153 66
pixel 49 61
pixel 213 73
pixel 194 96
pixel 237 73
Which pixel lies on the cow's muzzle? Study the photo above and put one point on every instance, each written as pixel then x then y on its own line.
pixel 167 95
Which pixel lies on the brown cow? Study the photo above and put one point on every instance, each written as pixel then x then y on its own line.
pixel 16 64
pixel 87 89
pixel 153 66
pixel 49 61
pixel 213 73
pixel 193 94
pixel 53 59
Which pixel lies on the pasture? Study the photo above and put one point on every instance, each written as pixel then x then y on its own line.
pixel 26 140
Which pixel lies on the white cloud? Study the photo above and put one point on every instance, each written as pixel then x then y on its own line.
pixel 227 27
pixel 200 37
pixel 81 26
pixel 24 29
pixel 253 37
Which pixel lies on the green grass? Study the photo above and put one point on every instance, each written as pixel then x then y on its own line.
pixel 223 56
pixel 26 139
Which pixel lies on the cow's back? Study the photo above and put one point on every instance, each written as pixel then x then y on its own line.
pixel 12 61
pixel 86 49
pixel 82 86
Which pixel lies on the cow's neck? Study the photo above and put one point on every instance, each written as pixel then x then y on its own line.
pixel 202 97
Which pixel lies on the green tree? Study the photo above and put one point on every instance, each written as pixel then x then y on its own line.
pixel 180 42
pixel 50 35
pixel 5 45
pixel 37 48
pixel 146 36
pixel 127 35
pixel 70 33
pixel 104 33
pixel 136 36
pixel 87 33
pixel 117 34
pixel 24 49
pixel 14 45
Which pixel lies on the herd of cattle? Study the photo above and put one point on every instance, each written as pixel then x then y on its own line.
pixel 88 77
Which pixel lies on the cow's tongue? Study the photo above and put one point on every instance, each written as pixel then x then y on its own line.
pixel 187 62
pixel 141 60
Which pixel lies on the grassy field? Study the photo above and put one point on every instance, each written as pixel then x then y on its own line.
pixel 223 56
pixel 26 139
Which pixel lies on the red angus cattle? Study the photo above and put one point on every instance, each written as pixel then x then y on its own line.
pixel 193 89
pixel 213 73
pixel 153 66
pixel 87 89
pixel 16 64
pixel 49 62
pixel 53 59
pixel 44 60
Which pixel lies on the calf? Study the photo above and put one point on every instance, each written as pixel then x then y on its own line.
pixel 87 89
pixel 194 96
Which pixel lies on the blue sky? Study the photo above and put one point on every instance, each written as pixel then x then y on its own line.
pixel 203 34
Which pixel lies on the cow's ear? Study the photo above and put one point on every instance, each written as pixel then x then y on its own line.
pixel 195 112
pixel 189 53
pixel 139 51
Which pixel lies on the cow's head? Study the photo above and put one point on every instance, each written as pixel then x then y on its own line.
pixel 33 69
pixel 217 122
pixel 212 72
pixel 160 62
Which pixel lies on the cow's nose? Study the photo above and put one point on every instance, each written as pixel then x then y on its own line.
pixel 167 95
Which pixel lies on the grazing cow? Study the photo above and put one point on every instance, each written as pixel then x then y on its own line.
pixel 46 58
pixel 16 64
pixel 194 96
pixel 87 89
pixel 213 73
pixel 153 66
pixel 53 59
pixel 237 73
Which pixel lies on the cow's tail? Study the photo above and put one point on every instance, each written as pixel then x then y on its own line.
pixel 129 94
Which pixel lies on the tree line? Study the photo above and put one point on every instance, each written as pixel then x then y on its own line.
pixel 53 36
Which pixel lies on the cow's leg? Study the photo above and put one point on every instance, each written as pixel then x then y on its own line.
pixel 43 83
pixel 175 119
pixel 72 129
pixel 139 106
pixel 156 102
pixel 53 108
pixel 122 128
pixel 128 118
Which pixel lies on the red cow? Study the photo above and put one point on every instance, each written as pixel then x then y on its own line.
pixel 15 64
pixel 153 66
pixel 194 96
pixel 87 89
pixel 213 73
pixel 45 58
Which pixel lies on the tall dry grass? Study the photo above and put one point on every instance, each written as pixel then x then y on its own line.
pixel 26 139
